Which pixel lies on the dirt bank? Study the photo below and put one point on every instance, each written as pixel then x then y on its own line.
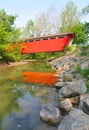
pixel 2 65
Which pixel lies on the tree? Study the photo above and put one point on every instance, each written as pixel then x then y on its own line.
pixel 8 35
pixel 30 28
pixel 87 27
pixel 80 33
pixel 69 17
pixel 47 22
pixel 41 25
pixel 70 22
pixel 85 10
pixel 8 32
pixel 28 31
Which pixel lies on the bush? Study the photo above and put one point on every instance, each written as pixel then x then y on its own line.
pixel 43 56
pixel 10 53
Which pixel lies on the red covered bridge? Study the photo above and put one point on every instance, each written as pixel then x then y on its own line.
pixel 50 43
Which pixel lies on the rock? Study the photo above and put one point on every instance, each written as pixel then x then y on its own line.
pixel 75 100
pixel 60 68
pixel 84 65
pixel 73 59
pixel 66 105
pixel 84 103
pixel 59 85
pixel 75 120
pixel 60 80
pixel 78 76
pixel 56 64
pixel 66 67
pixel 72 89
pixel 72 71
pixel 73 65
pixel 50 114
pixel 68 77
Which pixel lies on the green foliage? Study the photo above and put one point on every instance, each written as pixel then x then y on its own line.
pixel 84 50
pixel 78 69
pixel 6 55
pixel 86 73
pixel 3 53
pixel 16 53
pixel 85 10
pixel 70 22
pixel 87 27
pixel 80 33
pixel 8 34
pixel 43 56
pixel 69 48
pixel 87 84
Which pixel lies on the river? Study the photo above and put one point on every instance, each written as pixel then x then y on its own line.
pixel 24 90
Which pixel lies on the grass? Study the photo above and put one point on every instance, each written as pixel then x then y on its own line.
pixel 87 84
pixel 84 50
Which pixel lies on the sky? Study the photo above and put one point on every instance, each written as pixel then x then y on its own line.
pixel 28 9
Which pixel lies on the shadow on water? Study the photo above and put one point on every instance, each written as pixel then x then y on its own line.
pixel 21 100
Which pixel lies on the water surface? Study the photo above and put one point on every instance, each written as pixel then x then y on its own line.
pixel 21 101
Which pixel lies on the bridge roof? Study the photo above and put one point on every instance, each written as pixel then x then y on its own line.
pixel 62 35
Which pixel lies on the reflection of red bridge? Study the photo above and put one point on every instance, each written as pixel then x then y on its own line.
pixel 39 77
pixel 51 43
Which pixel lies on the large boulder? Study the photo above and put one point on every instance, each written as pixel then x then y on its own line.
pixel 50 114
pixel 75 120
pixel 66 105
pixel 84 103
pixel 72 89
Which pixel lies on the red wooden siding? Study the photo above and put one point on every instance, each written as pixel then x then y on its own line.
pixel 45 45
pixel 49 43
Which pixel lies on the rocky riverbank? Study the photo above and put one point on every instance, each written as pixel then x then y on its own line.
pixel 73 110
